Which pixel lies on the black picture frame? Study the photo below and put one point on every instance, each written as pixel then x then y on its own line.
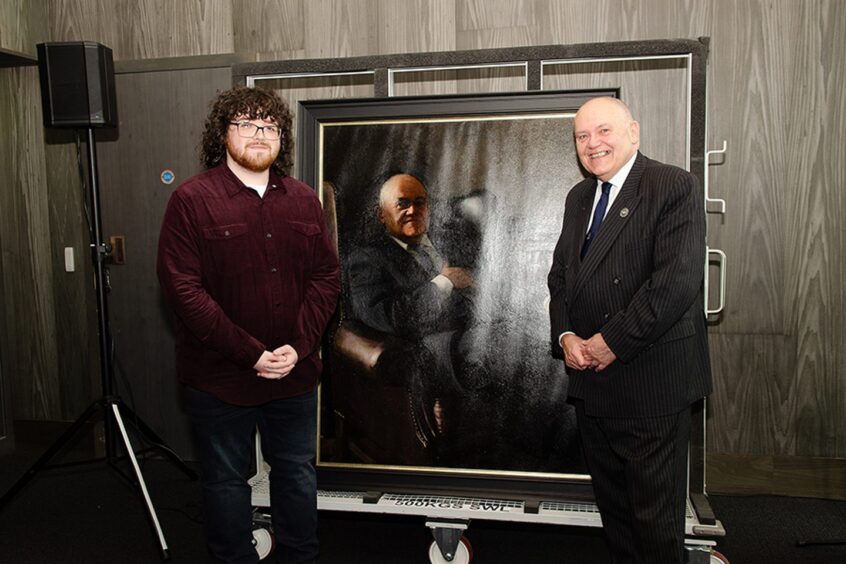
pixel 316 122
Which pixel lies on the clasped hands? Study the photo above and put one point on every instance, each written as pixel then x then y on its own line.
pixel 277 364
pixel 582 354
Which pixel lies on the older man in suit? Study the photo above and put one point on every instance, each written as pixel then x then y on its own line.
pixel 400 283
pixel 626 316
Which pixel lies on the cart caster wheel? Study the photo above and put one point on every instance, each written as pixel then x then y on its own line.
pixel 463 553
pixel 718 558
pixel 264 542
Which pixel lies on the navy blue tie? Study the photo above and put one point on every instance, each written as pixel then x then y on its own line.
pixel 598 215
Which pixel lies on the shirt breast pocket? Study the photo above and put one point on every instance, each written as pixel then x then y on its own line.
pixel 305 229
pixel 228 247
pixel 301 239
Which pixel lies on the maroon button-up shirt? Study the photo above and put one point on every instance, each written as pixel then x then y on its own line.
pixel 246 274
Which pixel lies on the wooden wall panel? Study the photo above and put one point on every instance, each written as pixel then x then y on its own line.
pixel 662 19
pixel 269 28
pixel 493 14
pixel 23 23
pixel 415 26
pixel 497 37
pixel 336 28
pixel 816 240
pixel 581 22
pixel 466 81
pixel 28 336
pixel 73 292
pixel 145 29
pixel 162 116
pixel 798 476
pixel 486 24
pixel 752 409
pixel 752 177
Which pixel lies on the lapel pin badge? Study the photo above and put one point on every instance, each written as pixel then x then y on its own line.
pixel 624 212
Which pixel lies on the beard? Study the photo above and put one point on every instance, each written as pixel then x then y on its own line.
pixel 255 162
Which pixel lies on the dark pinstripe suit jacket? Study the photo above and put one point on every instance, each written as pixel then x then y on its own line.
pixel 640 285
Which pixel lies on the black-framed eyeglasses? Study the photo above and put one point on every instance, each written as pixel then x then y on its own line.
pixel 250 130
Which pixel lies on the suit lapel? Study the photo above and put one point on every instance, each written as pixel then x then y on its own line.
pixel 585 207
pixel 615 220
pixel 407 268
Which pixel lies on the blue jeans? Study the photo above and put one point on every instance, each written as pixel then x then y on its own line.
pixel 225 437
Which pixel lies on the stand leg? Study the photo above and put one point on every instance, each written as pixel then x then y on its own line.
pixel 50 452
pixel 157 441
pixel 130 453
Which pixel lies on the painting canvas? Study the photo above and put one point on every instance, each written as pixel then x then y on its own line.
pixel 466 386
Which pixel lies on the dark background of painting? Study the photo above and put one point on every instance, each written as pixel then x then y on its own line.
pixel 523 169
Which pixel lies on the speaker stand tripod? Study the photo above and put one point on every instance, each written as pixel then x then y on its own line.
pixel 112 408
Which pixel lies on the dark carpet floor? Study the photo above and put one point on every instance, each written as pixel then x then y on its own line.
pixel 91 515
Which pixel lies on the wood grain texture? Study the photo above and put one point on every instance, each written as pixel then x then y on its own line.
pixel 465 81
pixel 492 14
pixel 267 27
pixel 752 409
pixel 809 477
pixel 581 22
pixel 73 292
pixel 23 23
pixel 29 332
pixel 497 37
pixel 143 29
pixel 133 203
pixel 798 476
pixel 739 474
pixel 814 211
pixel 336 28
pixel 280 55
pixel 415 26
pixel 486 24
pixel 752 177
pixel 7 429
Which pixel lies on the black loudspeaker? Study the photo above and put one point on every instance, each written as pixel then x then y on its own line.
pixel 77 84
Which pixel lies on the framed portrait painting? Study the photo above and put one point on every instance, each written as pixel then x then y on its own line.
pixel 445 210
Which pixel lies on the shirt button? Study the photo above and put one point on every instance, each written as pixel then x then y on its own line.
pixel 273 269
pixel 605 316
pixel 269 235
pixel 226 233
pixel 616 281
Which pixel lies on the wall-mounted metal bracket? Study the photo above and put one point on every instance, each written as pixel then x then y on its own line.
pixel 719 202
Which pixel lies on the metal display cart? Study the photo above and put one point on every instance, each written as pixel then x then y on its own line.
pixel 449 516
pixel 447 513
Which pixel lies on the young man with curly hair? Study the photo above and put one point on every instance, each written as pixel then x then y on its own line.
pixel 245 261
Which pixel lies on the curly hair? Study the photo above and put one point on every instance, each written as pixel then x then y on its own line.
pixel 255 103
